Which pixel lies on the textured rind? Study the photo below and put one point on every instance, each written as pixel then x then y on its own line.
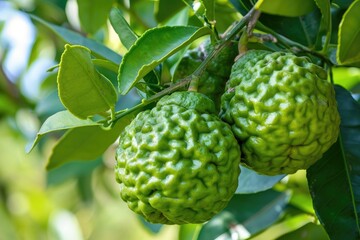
pixel 176 165
pixel 282 110
pixel 212 81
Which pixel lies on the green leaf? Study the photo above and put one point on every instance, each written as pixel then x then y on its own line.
pixel 167 9
pixel 85 143
pixel 82 89
pixel 60 121
pixel 309 231
pixel 325 26
pixel 285 226
pixel 287 8
pixel 128 38
pixel 71 37
pixel 304 29
pixel 251 182
pixel 338 172
pixel 246 215
pixel 122 28
pixel 153 47
pixel 93 14
pixel 209 9
pixel 349 35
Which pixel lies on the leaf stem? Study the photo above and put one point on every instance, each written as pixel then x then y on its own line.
pixel 197 73
pixel 291 44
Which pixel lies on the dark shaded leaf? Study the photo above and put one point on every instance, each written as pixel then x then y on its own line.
pixel 334 180
pixel 166 9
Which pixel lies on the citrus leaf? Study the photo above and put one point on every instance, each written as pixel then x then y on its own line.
pixel 304 29
pixel 166 9
pixel 349 35
pixel 89 9
pixel 338 172
pixel 85 143
pixel 246 215
pixel 128 38
pixel 287 8
pixel 60 121
pixel 307 232
pixel 82 89
pixel 285 226
pixel 153 47
pixel 122 28
pixel 209 9
pixel 251 182
pixel 71 37
pixel 325 26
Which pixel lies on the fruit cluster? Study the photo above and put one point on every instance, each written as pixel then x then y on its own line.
pixel 179 162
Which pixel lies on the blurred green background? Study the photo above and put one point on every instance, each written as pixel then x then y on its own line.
pixel 78 200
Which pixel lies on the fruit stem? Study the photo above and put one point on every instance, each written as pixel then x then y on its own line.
pixel 197 73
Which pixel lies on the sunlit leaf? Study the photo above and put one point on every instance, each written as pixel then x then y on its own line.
pixel 334 180
pixel 60 121
pixel 284 227
pixel 89 9
pixel 82 89
pixel 122 28
pixel 325 26
pixel 349 35
pixel 252 182
pixel 128 38
pixel 71 37
pixel 287 8
pixel 85 143
pixel 143 56
pixel 309 231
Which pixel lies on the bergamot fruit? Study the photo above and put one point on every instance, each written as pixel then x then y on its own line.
pixel 281 109
pixel 212 81
pixel 178 163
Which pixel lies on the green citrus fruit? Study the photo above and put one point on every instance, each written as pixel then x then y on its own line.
pixel 212 81
pixel 281 109
pixel 178 163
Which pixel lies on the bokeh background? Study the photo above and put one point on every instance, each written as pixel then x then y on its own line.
pixel 78 200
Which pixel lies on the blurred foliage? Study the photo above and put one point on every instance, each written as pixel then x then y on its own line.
pixel 80 200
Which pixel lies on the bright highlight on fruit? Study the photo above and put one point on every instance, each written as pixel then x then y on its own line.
pixel 178 163
pixel 282 110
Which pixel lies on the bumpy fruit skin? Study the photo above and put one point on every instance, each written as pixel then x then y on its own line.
pixel 178 163
pixel 281 109
pixel 212 81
